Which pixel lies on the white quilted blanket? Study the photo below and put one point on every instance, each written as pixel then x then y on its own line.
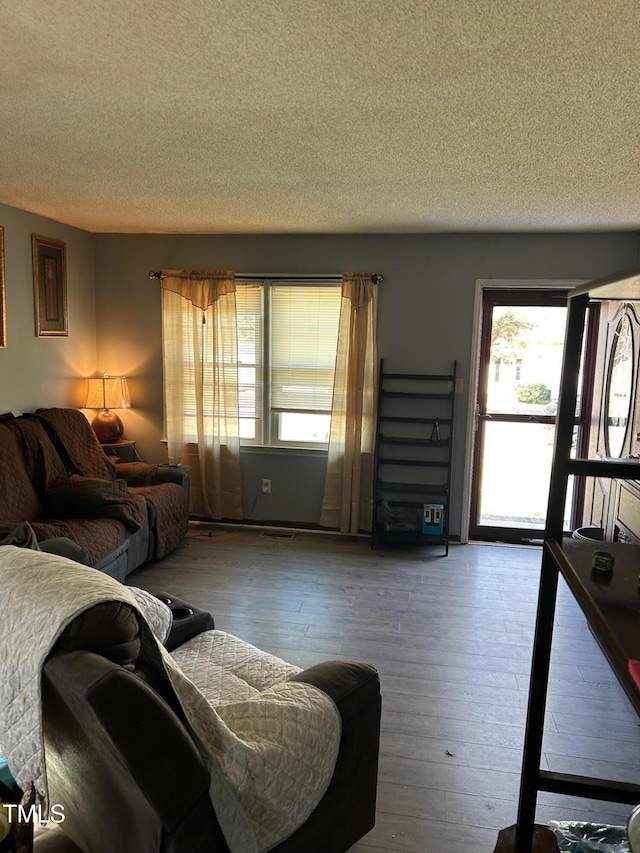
pixel 270 744
pixel 227 669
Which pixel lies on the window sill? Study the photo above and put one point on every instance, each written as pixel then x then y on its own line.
pixel 266 449
pixel 251 449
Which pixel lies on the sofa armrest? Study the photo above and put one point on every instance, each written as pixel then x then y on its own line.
pixel 137 473
pixel 140 474
pixel 355 688
pixel 351 684
pixel 180 474
pixel 150 474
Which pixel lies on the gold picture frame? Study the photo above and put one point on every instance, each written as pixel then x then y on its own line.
pixel 50 286
pixel 3 295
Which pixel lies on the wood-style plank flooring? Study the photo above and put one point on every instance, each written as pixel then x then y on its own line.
pixel 451 638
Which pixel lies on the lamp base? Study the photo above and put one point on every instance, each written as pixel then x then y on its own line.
pixel 107 426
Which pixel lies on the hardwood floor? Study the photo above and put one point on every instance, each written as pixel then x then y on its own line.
pixel 451 638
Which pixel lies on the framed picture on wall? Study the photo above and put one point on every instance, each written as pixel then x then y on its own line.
pixel 3 295
pixel 49 286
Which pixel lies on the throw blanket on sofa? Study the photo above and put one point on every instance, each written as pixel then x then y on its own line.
pixel 87 497
pixel 271 756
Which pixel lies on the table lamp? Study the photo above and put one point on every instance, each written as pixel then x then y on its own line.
pixel 107 393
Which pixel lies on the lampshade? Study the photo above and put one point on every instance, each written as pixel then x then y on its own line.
pixel 106 393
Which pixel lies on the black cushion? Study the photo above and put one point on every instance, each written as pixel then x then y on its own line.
pixel 110 629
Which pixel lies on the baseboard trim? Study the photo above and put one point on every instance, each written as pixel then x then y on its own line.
pixel 291 526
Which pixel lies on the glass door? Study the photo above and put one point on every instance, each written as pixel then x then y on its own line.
pixel 522 345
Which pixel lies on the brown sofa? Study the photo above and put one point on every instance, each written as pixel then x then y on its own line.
pixel 55 475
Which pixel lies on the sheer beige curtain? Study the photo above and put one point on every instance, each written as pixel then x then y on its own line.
pixel 200 351
pixel 348 494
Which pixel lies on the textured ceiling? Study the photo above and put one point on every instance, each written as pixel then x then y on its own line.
pixel 301 116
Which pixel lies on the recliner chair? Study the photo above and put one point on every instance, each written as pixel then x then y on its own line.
pixel 121 760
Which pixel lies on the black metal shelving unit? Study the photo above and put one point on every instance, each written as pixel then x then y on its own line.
pixel 610 604
pixel 413 456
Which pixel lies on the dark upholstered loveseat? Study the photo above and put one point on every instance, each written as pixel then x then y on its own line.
pixel 55 476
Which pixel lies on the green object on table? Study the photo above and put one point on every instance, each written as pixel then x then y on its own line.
pixel 602 561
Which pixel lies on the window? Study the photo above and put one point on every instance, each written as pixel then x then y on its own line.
pixel 287 341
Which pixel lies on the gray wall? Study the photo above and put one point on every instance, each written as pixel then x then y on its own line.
pixel 425 319
pixel 424 322
pixel 37 371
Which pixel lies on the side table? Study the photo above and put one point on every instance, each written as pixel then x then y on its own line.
pixel 122 450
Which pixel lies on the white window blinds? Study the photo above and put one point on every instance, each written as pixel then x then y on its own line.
pixel 303 334
pixel 250 318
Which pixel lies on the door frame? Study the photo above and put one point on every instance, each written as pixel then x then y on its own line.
pixel 481 285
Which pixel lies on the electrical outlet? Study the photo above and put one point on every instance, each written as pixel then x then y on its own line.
pixel 266 487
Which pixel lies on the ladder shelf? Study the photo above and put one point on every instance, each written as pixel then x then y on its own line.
pixel 413 454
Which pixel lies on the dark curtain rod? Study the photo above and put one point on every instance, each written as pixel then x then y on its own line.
pixel 375 278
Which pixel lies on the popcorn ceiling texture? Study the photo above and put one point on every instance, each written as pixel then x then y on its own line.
pixel 336 116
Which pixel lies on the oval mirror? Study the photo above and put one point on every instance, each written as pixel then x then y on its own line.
pixel 620 387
